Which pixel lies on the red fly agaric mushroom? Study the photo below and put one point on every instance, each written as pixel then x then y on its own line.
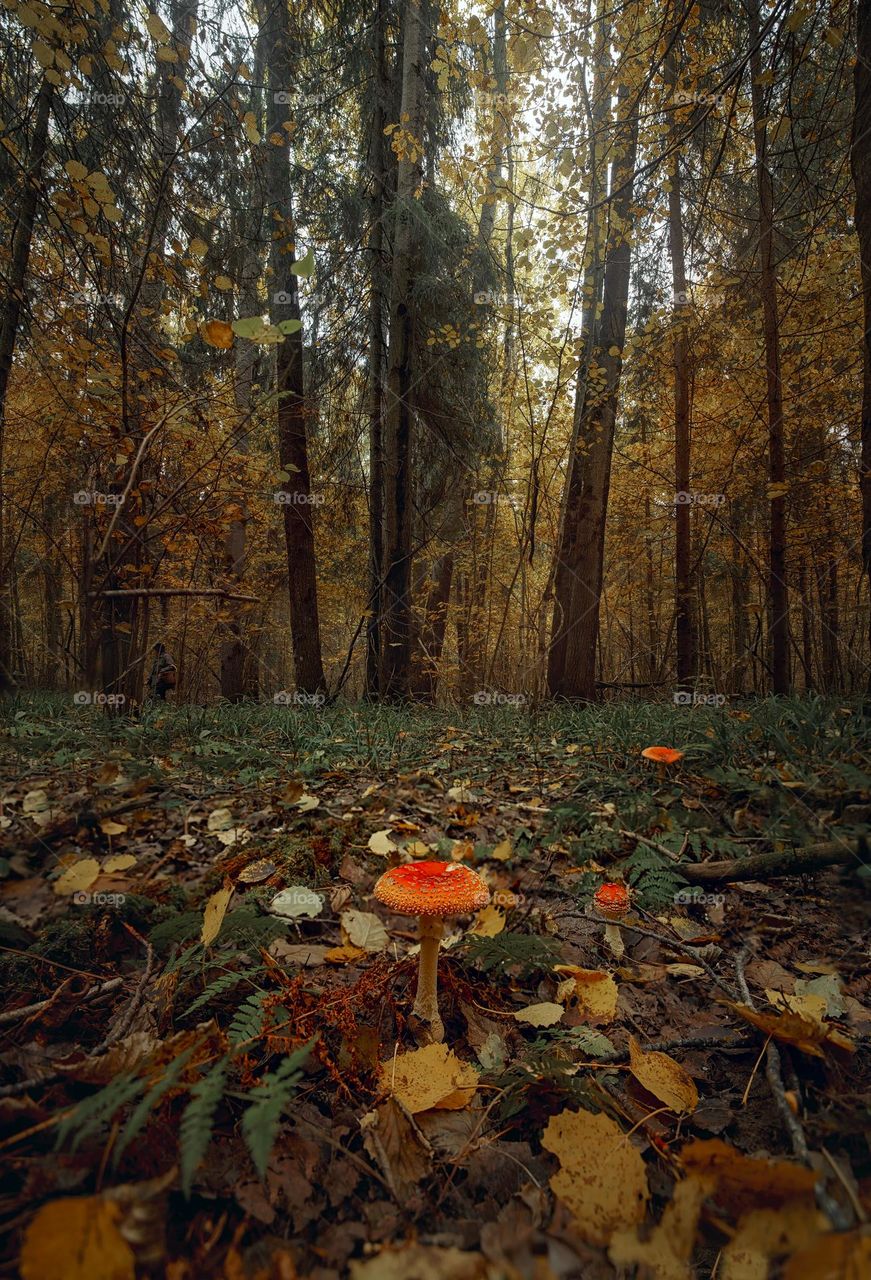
pixel 662 756
pixel 611 900
pixel 432 891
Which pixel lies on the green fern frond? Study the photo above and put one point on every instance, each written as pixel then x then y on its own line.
pixel 248 1019
pixel 149 1102
pixel 225 982
pixel 525 950
pixel 260 1121
pixel 198 1120
pixel 93 1112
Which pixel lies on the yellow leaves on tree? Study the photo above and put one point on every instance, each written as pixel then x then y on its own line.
pixel 76 1239
pixel 217 333
pixel 601 1180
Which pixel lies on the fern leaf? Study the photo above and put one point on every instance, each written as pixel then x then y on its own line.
pixel 248 1019
pixel 198 1119
pixel 98 1109
pixel 225 982
pixel 147 1104
pixel 260 1121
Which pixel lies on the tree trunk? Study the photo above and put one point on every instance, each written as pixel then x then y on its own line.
pixel 572 668
pixel 433 627
pixel 22 238
pixel 561 573
pixel 289 377
pixel 238 676
pixel 683 586
pixel 778 593
pixel 398 417
pixel 378 161
pixel 860 155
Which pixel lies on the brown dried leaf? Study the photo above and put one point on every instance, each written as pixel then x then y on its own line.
pixel 833 1257
pixel 795 1029
pixel 745 1183
pixel 397 1146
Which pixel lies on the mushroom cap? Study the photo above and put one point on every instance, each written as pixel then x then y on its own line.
pixel 662 755
pixel 432 889
pixel 612 900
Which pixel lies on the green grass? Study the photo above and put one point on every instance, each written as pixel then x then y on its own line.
pixel 817 738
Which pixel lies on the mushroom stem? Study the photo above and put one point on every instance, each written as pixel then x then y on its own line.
pixel 426 1001
pixel 614 939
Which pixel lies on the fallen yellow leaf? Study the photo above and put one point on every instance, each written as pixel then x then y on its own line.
pixel 213 916
pixel 488 922
pixel 594 990
pixel 76 1239
pixel 432 1077
pixel 601 1180
pixel 744 1182
pixel 77 878
pixel 667 1251
pixel 663 1077
pixel 796 1029
pixel 764 1234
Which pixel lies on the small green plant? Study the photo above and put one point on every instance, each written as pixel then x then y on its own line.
pixel 524 951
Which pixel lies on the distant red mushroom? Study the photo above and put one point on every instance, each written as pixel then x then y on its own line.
pixel 663 757
pixel 611 900
pixel 432 891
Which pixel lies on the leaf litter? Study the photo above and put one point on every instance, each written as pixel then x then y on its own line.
pixel 211 1066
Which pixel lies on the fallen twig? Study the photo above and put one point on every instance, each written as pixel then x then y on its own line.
pixel 774 1075
pixel 28 1010
pixel 789 862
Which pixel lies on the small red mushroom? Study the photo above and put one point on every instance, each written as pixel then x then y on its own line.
pixel 663 757
pixel 432 891
pixel 611 900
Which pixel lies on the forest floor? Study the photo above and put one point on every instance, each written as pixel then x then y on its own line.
pixel 208 1065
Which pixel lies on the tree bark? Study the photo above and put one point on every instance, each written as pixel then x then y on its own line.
pixel 572 668
pixel 293 409
pixel 860 155
pixel 778 592
pixel 598 117
pixel 22 238
pixel 683 587
pixel 398 417
pixel 378 161
pixel 785 862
